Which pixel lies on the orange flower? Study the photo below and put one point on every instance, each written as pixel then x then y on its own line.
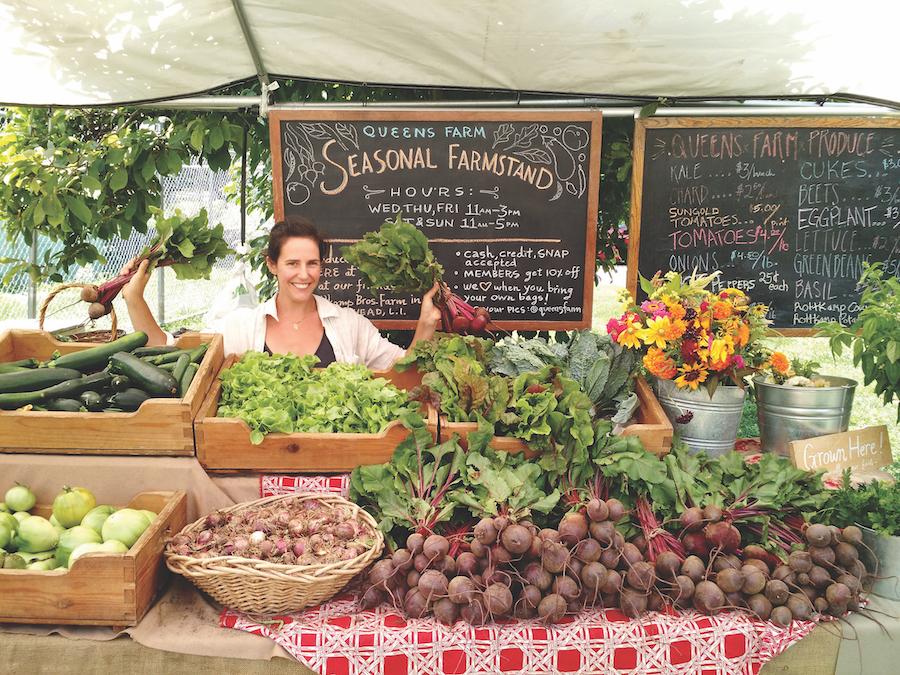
pixel 743 334
pixel 657 363
pixel 780 363
pixel 676 309
pixel 722 310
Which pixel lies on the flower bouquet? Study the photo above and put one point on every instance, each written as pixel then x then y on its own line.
pixel 695 337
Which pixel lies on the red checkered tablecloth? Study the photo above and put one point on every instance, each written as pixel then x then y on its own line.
pixel 338 638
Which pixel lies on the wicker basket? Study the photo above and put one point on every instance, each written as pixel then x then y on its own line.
pixel 261 587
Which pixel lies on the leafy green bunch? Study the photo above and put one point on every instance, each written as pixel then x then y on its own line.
pixel 286 394
pixel 875 505
pixel 395 257
pixel 411 492
pixel 546 408
pixel 188 244
pixel 425 485
pixel 875 335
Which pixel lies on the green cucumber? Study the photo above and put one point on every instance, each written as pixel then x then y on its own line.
pixel 67 389
pixel 163 359
pixel 185 382
pixel 155 351
pixel 12 369
pixel 128 400
pixel 198 352
pixel 33 380
pixel 65 405
pixel 91 400
pixel 21 363
pixel 95 358
pixel 119 383
pixel 169 367
pixel 180 366
pixel 148 377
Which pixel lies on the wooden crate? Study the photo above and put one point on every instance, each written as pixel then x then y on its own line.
pixel 223 443
pixel 100 589
pixel 650 424
pixel 161 426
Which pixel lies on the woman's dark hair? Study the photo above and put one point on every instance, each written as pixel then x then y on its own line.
pixel 293 226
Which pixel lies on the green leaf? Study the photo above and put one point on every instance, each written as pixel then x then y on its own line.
pixel 119 179
pixel 216 138
pixel 197 134
pixel 149 169
pixel 91 183
pixel 893 351
pixel 79 209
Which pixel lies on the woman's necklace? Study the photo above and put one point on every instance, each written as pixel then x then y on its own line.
pixel 296 324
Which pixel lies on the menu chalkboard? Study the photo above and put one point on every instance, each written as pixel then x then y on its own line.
pixel 787 208
pixel 507 199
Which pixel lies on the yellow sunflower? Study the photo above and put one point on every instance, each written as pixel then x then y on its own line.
pixel 692 376
pixel 661 330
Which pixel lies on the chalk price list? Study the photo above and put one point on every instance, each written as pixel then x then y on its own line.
pixel 789 216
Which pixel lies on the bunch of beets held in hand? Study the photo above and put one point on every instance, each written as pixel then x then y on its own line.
pixel 301 532
pixel 512 569
pixel 458 316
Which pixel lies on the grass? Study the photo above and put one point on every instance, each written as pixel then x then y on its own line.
pixel 868 409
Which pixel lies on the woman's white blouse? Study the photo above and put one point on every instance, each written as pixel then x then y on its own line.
pixel 353 337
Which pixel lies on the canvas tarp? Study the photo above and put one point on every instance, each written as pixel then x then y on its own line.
pixel 82 52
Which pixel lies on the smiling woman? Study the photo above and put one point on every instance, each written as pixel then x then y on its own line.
pixel 296 320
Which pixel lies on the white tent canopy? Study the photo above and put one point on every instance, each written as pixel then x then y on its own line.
pixel 89 52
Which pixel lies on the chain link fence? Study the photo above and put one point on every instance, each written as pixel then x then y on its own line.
pixel 175 303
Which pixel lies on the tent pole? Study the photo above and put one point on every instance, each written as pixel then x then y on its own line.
pixel 718 108
pixel 261 72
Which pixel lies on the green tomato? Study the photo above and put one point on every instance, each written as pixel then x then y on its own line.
pixel 20 498
pixel 81 550
pixel 97 516
pixel 21 515
pixel 72 539
pixel 14 562
pixel 4 508
pixel 55 523
pixel 36 534
pixel 43 565
pixel 10 521
pixel 71 505
pixel 125 526
pixel 34 557
pixel 110 546
pixel 6 535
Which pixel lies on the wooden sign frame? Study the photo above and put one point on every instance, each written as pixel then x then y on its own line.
pixel 637 174
pixel 401 114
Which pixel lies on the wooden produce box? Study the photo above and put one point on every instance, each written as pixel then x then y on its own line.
pixel 161 426
pixel 100 589
pixel 223 443
pixel 650 424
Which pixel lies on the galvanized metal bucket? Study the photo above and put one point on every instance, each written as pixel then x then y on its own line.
pixel 887 568
pixel 793 413
pixel 704 423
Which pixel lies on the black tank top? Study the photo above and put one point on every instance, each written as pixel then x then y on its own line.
pixel 324 351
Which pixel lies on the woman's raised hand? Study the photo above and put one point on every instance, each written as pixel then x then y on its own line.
pixel 136 285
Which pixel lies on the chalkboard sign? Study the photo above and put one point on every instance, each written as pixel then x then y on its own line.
pixel 787 208
pixel 507 199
